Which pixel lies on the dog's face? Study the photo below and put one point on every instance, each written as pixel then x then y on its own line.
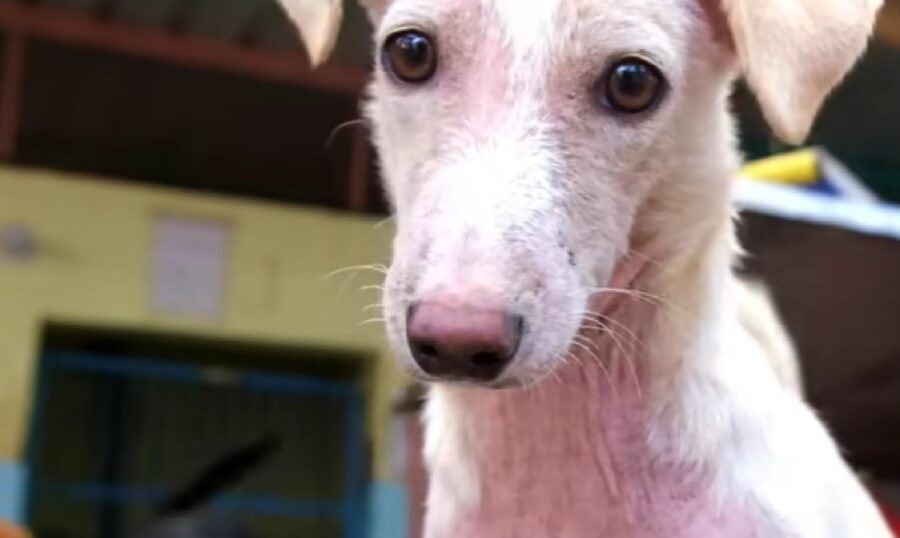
pixel 521 144
pixel 517 156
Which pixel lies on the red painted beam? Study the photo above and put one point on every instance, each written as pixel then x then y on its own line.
pixel 194 51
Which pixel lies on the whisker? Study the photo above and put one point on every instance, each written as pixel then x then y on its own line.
pixel 378 268
pixel 372 287
pixel 649 298
pixel 340 127
pixel 592 320
pixel 645 257
pixel 627 356
pixel 630 333
pixel 629 362
pixel 598 361
pixel 384 222
pixel 574 358
pixel 635 294
pixel 555 371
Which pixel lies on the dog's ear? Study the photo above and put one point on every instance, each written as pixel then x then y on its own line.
pixel 793 53
pixel 319 22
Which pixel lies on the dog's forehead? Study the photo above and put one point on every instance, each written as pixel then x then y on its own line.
pixel 532 19
pixel 537 22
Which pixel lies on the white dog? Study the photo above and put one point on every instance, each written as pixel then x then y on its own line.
pixel 561 173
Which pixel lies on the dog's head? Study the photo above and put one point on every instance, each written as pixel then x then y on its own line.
pixel 524 144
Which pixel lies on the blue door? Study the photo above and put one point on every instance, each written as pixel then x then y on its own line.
pixel 120 444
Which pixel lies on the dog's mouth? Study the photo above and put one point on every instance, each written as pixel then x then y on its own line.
pixel 504 383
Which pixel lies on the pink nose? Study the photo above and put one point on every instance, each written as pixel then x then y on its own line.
pixel 462 343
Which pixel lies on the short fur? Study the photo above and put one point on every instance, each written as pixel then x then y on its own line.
pixel 642 402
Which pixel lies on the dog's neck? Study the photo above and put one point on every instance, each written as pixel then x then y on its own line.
pixel 593 446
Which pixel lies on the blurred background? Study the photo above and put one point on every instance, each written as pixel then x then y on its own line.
pixel 191 239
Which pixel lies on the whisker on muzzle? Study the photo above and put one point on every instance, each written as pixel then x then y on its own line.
pixel 355 269
pixel 580 342
pixel 646 297
pixel 589 320
pixel 372 287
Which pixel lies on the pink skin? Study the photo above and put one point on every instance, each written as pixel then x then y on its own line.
pixel 580 466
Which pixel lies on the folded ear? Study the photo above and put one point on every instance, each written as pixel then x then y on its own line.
pixel 319 22
pixel 794 52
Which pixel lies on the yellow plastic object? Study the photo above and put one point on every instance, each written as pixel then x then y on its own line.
pixel 795 168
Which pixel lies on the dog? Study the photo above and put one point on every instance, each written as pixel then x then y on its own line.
pixel 758 316
pixel 561 174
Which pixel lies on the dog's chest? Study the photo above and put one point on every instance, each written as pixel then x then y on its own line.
pixel 571 460
pixel 598 522
pixel 582 506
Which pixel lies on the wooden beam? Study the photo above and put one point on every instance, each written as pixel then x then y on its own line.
pixel 194 51
pixel 888 28
pixel 13 79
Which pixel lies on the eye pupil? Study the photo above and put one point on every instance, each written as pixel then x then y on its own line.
pixel 410 56
pixel 632 79
pixel 415 47
pixel 633 85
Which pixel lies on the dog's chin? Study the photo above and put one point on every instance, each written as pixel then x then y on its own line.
pixel 496 385
pixel 504 382
pixel 514 379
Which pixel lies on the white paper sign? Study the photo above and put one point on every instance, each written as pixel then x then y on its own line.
pixel 189 266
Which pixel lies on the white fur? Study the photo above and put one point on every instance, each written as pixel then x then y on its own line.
pixel 454 486
pixel 758 316
pixel 507 178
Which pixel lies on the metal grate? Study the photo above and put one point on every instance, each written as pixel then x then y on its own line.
pixel 113 438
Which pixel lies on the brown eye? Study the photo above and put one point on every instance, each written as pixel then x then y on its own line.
pixel 632 85
pixel 410 56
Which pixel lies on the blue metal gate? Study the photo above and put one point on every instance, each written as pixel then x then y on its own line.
pixel 113 436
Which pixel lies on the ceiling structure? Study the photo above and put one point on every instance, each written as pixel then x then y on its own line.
pixel 888 29
pixel 254 23
pixel 77 93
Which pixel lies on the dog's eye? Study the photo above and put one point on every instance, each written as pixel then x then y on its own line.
pixel 632 85
pixel 410 56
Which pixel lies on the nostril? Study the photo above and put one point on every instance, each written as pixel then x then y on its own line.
pixel 488 359
pixel 425 350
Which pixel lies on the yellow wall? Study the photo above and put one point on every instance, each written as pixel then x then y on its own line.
pixel 93 268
